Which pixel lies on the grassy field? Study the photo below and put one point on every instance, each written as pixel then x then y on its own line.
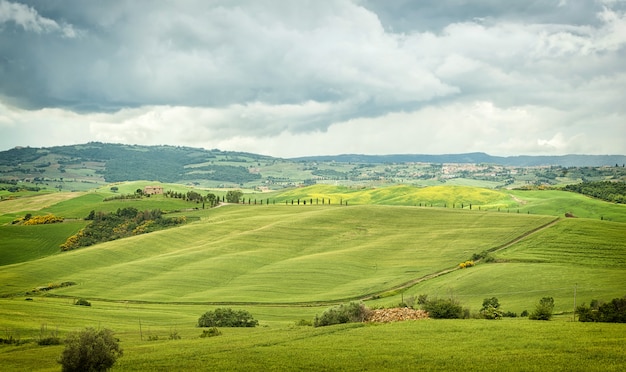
pixel 437 345
pixel 27 243
pixel 548 202
pixel 277 254
pixel 284 263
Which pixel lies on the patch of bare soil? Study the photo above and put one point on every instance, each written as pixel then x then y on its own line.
pixel 396 315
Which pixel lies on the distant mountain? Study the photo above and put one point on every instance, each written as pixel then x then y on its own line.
pixel 476 158
pixel 82 167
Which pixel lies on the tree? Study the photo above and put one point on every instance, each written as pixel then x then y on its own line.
pixel 227 317
pixel 90 350
pixel 233 196
pixel 491 309
pixel 440 308
pixel 544 308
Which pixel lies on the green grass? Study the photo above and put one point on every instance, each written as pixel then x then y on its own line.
pixel 548 202
pixel 477 345
pixel 560 202
pixel 27 243
pixel 586 256
pixel 277 254
pixel 285 263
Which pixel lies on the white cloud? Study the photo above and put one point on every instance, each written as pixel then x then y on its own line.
pixel 310 77
pixel 30 20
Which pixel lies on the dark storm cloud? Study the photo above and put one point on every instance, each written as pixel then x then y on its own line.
pixel 410 16
pixel 225 72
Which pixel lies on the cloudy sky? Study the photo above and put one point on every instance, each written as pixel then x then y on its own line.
pixel 317 77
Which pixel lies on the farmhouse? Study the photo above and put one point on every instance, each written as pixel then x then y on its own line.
pixel 152 190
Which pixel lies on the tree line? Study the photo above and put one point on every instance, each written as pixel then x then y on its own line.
pixel 614 192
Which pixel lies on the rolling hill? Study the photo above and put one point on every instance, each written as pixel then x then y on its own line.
pixel 287 262
pixel 87 166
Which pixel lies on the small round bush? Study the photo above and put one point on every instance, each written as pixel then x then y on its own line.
pixel 227 317
pixel 90 350
pixel 82 302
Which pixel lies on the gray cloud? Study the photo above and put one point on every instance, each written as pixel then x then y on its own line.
pixel 223 72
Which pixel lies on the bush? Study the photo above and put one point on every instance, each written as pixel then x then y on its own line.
pixel 610 312
pixel 304 323
pixel 82 302
pixel 351 313
pixel 440 308
pixel 491 309
pixel 211 332
pixel 227 317
pixel 51 339
pixel 543 311
pixel 90 350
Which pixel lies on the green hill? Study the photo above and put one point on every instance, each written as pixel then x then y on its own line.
pixel 286 262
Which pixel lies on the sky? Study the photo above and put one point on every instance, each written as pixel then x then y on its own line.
pixel 317 77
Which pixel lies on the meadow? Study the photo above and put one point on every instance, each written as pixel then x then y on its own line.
pixel 285 263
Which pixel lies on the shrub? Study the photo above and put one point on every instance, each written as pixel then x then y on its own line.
pixel 50 339
pixel 440 308
pixel 491 309
pixel 211 332
pixel 524 314
pixel 90 350
pixel 351 313
pixel 174 335
pixel 543 311
pixel 610 312
pixel 466 264
pixel 82 302
pixel 227 317
pixel 304 323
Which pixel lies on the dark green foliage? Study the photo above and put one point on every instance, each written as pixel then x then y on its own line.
pixel 353 312
pixel 233 196
pixel 211 332
pixel 614 192
pixel 609 312
pixel 485 256
pixel 227 317
pixel 304 323
pixel 524 313
pixel 82 302
pixel 121 224
pixel 491 309
pixel 50 340
pixel 90 350
pixel 330 174
pixel 224 173
pixel 440 308
pixel 543 311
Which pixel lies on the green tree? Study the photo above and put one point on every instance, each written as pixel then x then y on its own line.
pixel 440 308
pixel 233 196
pixel 491 309
pixel 227 317
pixel 544 309
pixel 90 350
